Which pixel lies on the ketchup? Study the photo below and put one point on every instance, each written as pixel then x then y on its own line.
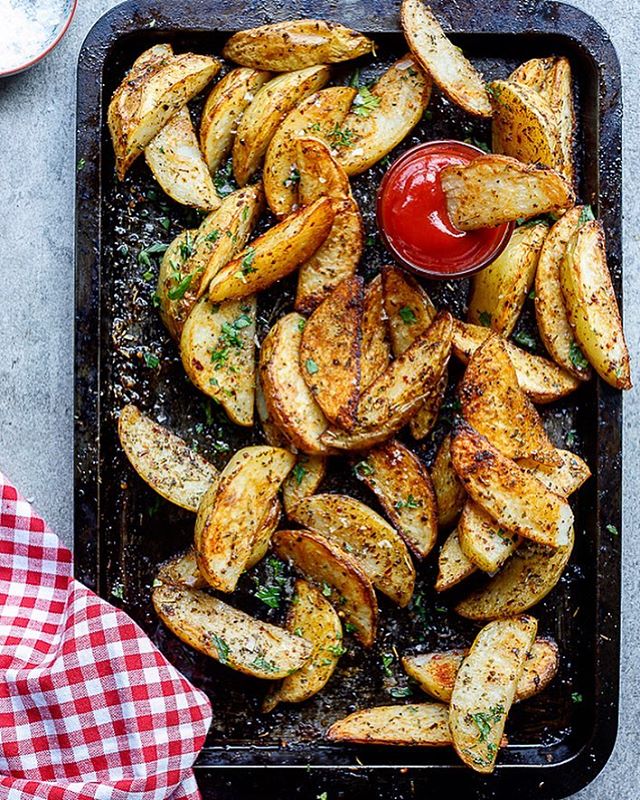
pixel 412 214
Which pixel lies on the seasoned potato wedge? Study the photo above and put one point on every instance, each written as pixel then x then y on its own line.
pixel 303 480
pixel 174 157
pixel 376 351
pixel 269 107
pixel 312 617
pixel 295 44
pixel 453 565
pixel 274 254
pixel 272 434
pixel 230 636
pixel 330 352
pixel 493 189
pixel 373 543
pixel 401 96
pixel 230 515
pixel 415 725
pixel 592 308
pixel 485 688
pixel 223 111
pixel 266 529
pixel 450 493
pixel 164 460
pixel 499 291
pixel 439 57
pixel 404 489
pixel 321 112
pixel 176 277
pixel 564 478
pixel 288 399
pixel 339 575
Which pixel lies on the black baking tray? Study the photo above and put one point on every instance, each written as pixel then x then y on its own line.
pixel 558 741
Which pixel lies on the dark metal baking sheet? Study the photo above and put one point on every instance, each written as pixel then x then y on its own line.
pixel 123 531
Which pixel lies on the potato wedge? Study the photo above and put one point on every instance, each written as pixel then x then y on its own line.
pixel 454 74
pixel 266 529
pixel 272 434
pixel 303 480
pixel 499 291
pixel 330 352
pixel 274 254
pixel 403 486
pixel 339 254
pixel 376 352
pixel 164 460
pixel 288 400
pixel 319 113
pixel 295 44
pixel 450 493
pixel 592 308
pixel 149 96
pixel 566 477
pixel 415 725
pixel 176 276
pixel 312 617
pixel 223 111
pixel 513 497
pixel 436 673
pixel 339 575
pixel 551 315
pixel 230 636
pixel 269 107
pixel 402 94
pixel 453 565
pixel 174 157
pixel 230 515
pixel 485 688
pixel 493 189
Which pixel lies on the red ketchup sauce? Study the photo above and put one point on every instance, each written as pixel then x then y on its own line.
pixel 412 215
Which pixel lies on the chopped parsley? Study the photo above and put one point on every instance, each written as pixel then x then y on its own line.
pixel 485 319
pixel 293 178
pixel 576 697
pixel 365 102
pixel 407 315
pixel 311 366
pixel 260 662
pixel 485 720
pixel 223 179
pixel 165 222
pixel 387 661
pixel 270 595
pixel 612 530
pixel 337 650
pixel 222 647
pixel 478 143
pixel 298 473
pixel 301 323
pixel 571 437
pixel 155 300
pixel 524 339
pixel 400 691
pixel 147 276
pixel 187 247
pixel 363 468
pixel 350 627
pixel 410 502
pixel 371 240
pixel 146 255
pixel 576 356
pixel 229 335
pixel 179 291
pixel 247 261
pixel 151 360
pixel 586 215
pixel 341 137
pixel 82 162
pixel 213 236
pixel 326 589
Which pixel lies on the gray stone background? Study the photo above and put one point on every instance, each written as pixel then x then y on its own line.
pixel 37 173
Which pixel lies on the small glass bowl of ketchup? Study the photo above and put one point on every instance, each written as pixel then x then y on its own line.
pixel 413 219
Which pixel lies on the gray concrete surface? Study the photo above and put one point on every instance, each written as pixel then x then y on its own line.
pixel 37 173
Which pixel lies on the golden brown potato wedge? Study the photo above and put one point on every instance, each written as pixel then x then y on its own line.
pixel 272 434
pixel 415 725
pixel 450 493
pixel 223 111
pixel 485 688
pixel 330 352
pixel 493 189
pixel 295 44
pixel 592 308
pixel 454 74
pixel 269 107
pixel 373 543
pixel 230 516
pixel 405 491
pixel 274 254
pixel 303 480
pixel 164 460
pixel 338 574
pixel 376 351
pixel 268 526
pixel 230 636
pixel 396 104
pixel 312 617
pixel 566 477
pixel 453 565
pixel 176 277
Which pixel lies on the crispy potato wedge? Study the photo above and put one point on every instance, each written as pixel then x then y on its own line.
pixel 274 254
pixel 150 95
pixel 295 44
pixel 230 636
pixel 230 515
pixel 450 493
pixel 415 724
pixel 401 96
pixel 435 673
pixel 373 543
pixel 269 107
pixel 266 529
pixel 403 486
pixel 339 575
pixel 376 351
pixel 513 497
pixel 453 565
pixel 288 399
pixel 312 617
pixel 330 352
pixel 174 157
pixel 453 74
pixel 176 272
pixel 164 460
pixel 551 315
pixel 272 434
pixel 493 189
pixel 223 111
pixel 592 308
pixel 564 478
pixel 499 291
pixel 321 112
pixel 485 688
pixel 303 480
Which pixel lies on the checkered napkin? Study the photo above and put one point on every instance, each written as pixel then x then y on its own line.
pixel 88 707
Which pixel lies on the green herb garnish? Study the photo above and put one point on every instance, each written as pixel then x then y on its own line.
pixel 524 339
pixel 365 102
pixel 576 356
pixel 407 315
pixel 222 647
pixel 151 360
pixel 298 473
pixel 485 319
pixel 179 291
pixel 311 366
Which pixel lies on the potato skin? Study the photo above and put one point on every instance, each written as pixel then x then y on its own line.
pixel 449 491
pixel 414 725
pixel 453 565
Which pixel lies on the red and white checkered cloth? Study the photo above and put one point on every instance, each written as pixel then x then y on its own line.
pixel 89 709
